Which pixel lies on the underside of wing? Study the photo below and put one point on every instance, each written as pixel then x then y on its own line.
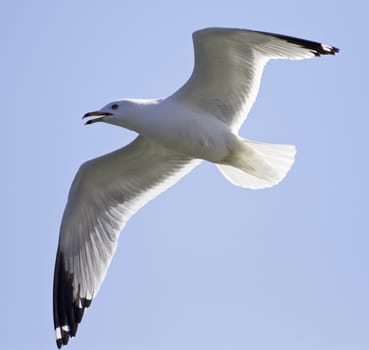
pixel 105 193
pixel 229 65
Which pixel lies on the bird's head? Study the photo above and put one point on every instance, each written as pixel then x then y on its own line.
pixel 129 113
pixel 112 113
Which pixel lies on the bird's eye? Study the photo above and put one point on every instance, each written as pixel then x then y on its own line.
pixel 114 106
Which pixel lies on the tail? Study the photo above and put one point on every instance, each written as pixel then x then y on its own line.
pixel 258 165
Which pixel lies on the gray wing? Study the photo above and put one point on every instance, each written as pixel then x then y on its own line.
pixel 229 65
pixel 105 193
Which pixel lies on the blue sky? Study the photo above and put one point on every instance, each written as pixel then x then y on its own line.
pixel 206 265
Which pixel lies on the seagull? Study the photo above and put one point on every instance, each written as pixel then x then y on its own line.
pixel 200 121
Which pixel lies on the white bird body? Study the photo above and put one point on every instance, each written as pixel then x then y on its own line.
pixel 198 122
pixel 179 127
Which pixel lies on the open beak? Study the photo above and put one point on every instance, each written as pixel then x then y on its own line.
pixel 101 116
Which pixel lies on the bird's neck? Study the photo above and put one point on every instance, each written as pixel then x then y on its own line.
pixel 139 114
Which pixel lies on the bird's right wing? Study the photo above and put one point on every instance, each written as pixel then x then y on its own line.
pixel 105 193
pixel 228 68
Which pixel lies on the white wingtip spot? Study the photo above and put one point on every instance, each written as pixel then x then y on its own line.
pixel 66 328
pixel 59 330
pixel 58 333
pixel 327 47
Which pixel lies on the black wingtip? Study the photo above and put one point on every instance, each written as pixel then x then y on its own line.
pixel 68 312
pixel 316 48
pixel 59 343
pixel 62 337
pixel 334 50
pixel 79 314
pixel 325 50
pixel 85 302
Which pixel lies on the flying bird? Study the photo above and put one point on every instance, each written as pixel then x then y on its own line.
pixel 200 121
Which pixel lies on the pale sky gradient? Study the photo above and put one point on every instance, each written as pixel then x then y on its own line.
pixel 205 266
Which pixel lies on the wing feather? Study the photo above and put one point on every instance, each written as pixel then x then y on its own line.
pixel 228 67
pixel 105 193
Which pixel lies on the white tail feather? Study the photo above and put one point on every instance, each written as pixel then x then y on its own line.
pixel 258 165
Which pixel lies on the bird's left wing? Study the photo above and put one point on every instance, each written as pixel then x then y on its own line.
pixel 228 67
pixel 105 193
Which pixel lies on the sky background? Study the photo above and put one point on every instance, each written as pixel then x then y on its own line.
pixel 207 265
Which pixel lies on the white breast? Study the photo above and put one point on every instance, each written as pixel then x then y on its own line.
pixel 188 131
